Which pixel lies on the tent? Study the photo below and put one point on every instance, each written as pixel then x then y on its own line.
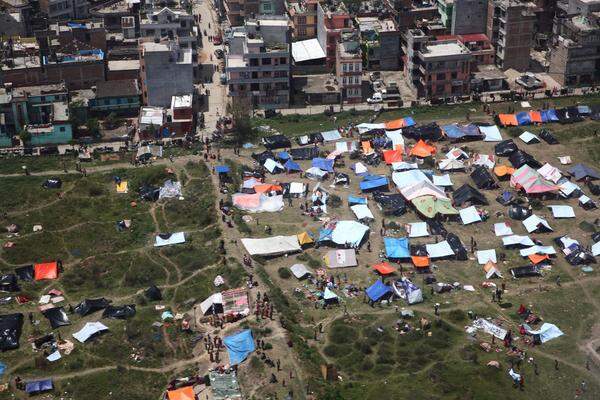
pixel 449 164
pixel 52 183
pixel 305 153
pixel 508 120
pixel 529 138
pixel 431 132
pixel 548 137
pixel 300 271
pixel 323 164
pixel 347 233
pixel 546 332
pixel 483 179
pixel 519 212
pixel 360 168
pixel 491 133
pixel 549 115
pixel 271 246
pixel 374 182
pixel 505 148
pixel 331 136
pixel 153 293
pixel 491 271
pixel 292 166
pixel 484 256
pixel 422 149
pixel 89 306
pixel 408 291
pixel 166 239
pixel 170 190
pixel 502 229
pixel 329 296
pixel 257 202
pixel 457 247
pixel 378 290
pixel 222 169
pixel 341 258
pixel 442 180
pixel 417 229
pixel 213 304
pixel 26 273
pixel 384 268
pixel 487 160
pixel 404 166
pixel 525 272
pixel 535 117
pixel 352 200
pixel 523 118
pixel 315 173
pixel 239 346
pixel 276 142
pixel 392 156
pixel 531 181
pixel 39 386
pixel 581 171
pixel 399 123
pixel 362 212
pixel 467 193
pixel 420 261
pixel 396 138
pixel 89 329
pixel 430 206
pixel 462 132
pixel 396 248
pixel 538 258
pixel 562 211
pixel 536 224
pixel 345 147
pixel 469 215
pixel 122 187
pixel 184 393
pixel 57 317
pixel 439 250
pixel 305 238
pixel 457 154
pixel 390 204
pixel 273 166
pixel 517 241
pixel 119 312
pixel 520 158
pixel 11 326
pixel 423 188
pixel 550 173
pixel 45 271
pixel 407 178
pixel 546 250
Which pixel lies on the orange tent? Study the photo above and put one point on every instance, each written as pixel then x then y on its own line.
pixel 392 156
pixel 422 149
pixel 185 393
pixel 265 188
pixel 384 268
pixel 395 124
pixel 538 258
pixel 420 261
pixel 503 170
pixel 367 148
pixel 535 116
pixel 45 271
pixel 508 119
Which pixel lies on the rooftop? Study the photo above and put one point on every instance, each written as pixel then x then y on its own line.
pixel 79 56
pixel 181 101
pixel 39 90
pixel 120 7
pixel 350 49
pixel 152 116
pixel 444 49
pixel 119 88
pixel 123 65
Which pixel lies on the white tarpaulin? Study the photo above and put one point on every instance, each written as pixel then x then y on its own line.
pixel 315 173
pixel 349 232
pixel 502 229
pixel 565 160
pixel 165 239
pixel 272 165
pixel 442 180
pixel 562 211
pixel 341 258
pixel 567 187
pixel 596 249
pixel 550 173
pixel 547 332
pixel 450 164
pixel 297 188
pixel 365 127
pixel 517 239
pixel 362 211
pixel 360 168
pixel 417 229
pixel 257 202
pixel 487 160
pixel 331 136
pixel 404 166
pixel 89 330
pixel 456 154
pixel 439 250
pixel 344 147
pixel 533 223
pixel 469 215
pixel 271 245
pixel 537 250
pixel 170 190
pixel 299 270
pixel 408 178
pixel 529 137
pixel 307 50
pixel 492 133
pixel 423 188
pixel 396 137
pixel 490 328
pixel 483 256
pixel 213 299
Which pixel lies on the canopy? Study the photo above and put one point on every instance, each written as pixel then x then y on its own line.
pixel 384 268
pixel 239 346
pixel 423 188
pixel 45 271
pixel 439 250
pixel 299 270
pixel 362 211
pixel 485 256
pixel 372 182
pixel 271 246
pixel 536 224
pixel 399 123
pixel 257 202
pixel 430 206
pixel 165 239
pixel 561 211
pixel 469 215
pixel 392 156
pixel 184 393
pixel 422 149
pixel 396 248
pixel 340 258
pixel 417 229
pixel 580 171
pixel 323 164
pixel 492 133
pixel 378 290
pixel 89 330
pixel 407 178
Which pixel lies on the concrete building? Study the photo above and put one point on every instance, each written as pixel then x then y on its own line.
pixel 112 13
pixel 512 34
pixel 12 24
pixel 445 8
pixel 348 69
pixel 64 9
pixel 166 71
pixel 121 97
pixel 91 33
pixel 303 17
pixel 469 16
pixel 172 24
pixel 333 19
pixel 258 63
pixel 584 7
pixel 381 38
pixel 480 46
pixel 237 11
pixel 574 54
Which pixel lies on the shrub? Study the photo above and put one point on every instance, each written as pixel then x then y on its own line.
pixel 366 365
pixel 514 131
pixel 284 273
pixel 335 201
pixel 457 316
pixel 341 333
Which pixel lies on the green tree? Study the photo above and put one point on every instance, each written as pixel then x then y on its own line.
pixel 112 120
pixel 25 135
pixel 243 131
pixel 93 127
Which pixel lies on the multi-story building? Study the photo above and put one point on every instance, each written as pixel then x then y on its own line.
pixel 445 8
pixel 348 68
pixel 381 40
pixel 172 24
pixel 113 12
pixel 480 46
pixel 575 54
pixel 333 19
pixel 303 17
pixel 258 63
pixel 239 10
pixel 166 71
pixel 470 16
pixel 64 9
pixel 512 33
pixel 91 33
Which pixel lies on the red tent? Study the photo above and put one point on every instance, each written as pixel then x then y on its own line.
pixel 45 271
pixel 184 393
pixel 384 268
pixel 420 261
pixel 392 156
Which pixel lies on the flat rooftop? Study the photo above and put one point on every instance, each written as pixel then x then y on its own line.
pixel 39 90
pixel 123 65
pixel 181 101
pixel 444 50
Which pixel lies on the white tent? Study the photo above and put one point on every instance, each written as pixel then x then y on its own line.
pixel 502 229
pixel 348 232
pixel 550 173
pixel 469 215
pixel 483 256
pixel 442 180
pixel 417 229
pixel 165 239
pixel 492 133
pixel 344 147
pixel 533 223
pixel 423 188
pixel 315 173
pixel 487 160
pixel 404 166
pixel 456 154
pixel 529 137
pixel 299 270
pixel 213 299
pixel 562 211
pixel 396 137
pixel 567 188
pixel 272 245
pixel 362 211
pixel 450 164
pixel 89 330
pixel 297 188
pixel 439 250
pixel 517 239
pixel 537 250
pixel 272 165
pixel 596 249
pixel 360 168
pixel 257 202
pixel 408 178
pixel 331 136
pixel 365 127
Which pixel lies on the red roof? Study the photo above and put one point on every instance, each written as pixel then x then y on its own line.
pixel 474 37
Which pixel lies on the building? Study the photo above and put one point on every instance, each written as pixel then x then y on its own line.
pixel 25 11
pixel 469 16
pixel 180 117
pixel 91 33
pixel 480 46
pixel 237 11
pixel 333 19
pixel 381 40
pixel 445 8
pixel 112 13
pixel 11 24
pixel 574 54
pixel 303 17
pixel 348 69
pixel 512 34
pixel 64 9
pixel 120 97
pixel 172 24
pixel 166 71
pixel 122 69
pixel 258 63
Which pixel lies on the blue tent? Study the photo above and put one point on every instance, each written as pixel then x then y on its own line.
pixel 584 110
pixel 549 115
pixel 323 163
pixel 292 166
pixel 408 121
pixel 396 247
pixel 40 386
pixel 2 368
pixel 283 155
pixel 453 131
pixel 356 200
pixel 377 290
pixel 222 169
pixel 371 182
pixel 325 234
pixel 239 346
pixel 523 118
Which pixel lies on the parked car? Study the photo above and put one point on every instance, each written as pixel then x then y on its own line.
pixel 376 98
pixel 217 40
pixel 529 81
pixel 219 53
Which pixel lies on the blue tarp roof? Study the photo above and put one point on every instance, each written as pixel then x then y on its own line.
pixel 408 121
pixel 292 166
pixel 523 118
pixel 580 171
pixel 377 290
pixel 39 386
pixel 2 368
pixel 283 155
pixel 396 247
pixel 357 200
pixel 373 181
pixel 453 131
pixel 584 110
pixel 323 163
pixel 222 169
pixel 239 346
pixel 549 115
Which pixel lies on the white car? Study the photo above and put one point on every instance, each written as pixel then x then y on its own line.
pixel 376 98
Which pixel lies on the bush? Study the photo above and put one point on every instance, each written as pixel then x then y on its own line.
pixel 341 333
pixel 457 316
pixel 335 201
pixel 366 365
pixel 284 273
pixel 514 131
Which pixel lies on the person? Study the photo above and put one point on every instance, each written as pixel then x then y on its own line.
pixel 583 386
pixel 521 382
pixel 558 280
pixel 369 246
pixel 436 309
pixel 556 365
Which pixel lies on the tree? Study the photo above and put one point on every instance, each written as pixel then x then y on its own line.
pixel 243 131
pixel 93 127
pixel 24 135
pixel 112 120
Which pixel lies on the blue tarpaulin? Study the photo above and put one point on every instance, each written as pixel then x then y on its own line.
pixel 325 234
pixel 549 115
pixel 396 247
pixel 39 386
pixel 222 169
pixel 239 346
pixel 356 200
pixel 2 368
pixel 377 290
pixel 452 131
pixel 323 164
pixel 584 110
pixel 283 155
pixel 371 182
pixel 408 121
pixel 523 118
pixel 292 166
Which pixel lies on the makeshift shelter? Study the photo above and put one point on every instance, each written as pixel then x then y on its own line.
pixel 239 346
pixel 562 211
pixel 323 164
pixel 417 229
pixel 166 239
pixel 305 238
pixel 346 147
pixel 486 160
pixel 420 261
pixel 431 132
pixel 304 153
pixel 392 156
pixel 467 193
pixel 38 386
pixel 548 137
pixel 546 332
pixel 404 166
pixel 315 173
pixel 550 173
pixel 170 190
pixel 525 272
pixel 508 120
pixel 484 256
pixel 359 169
pixel 153 293
pixel 529 138
pixel 531 181
pixel 271 246
pixel 119 312
pixel 378 291
pixel 449 164
pixel 45 271
pixel 536 224
pixel 520 158
pixel 57 317
pixel 523 118
pixel 273 166
pixel 505 148
pixel 184 393
pixel 331 136
pixel 423 188
pixel 421 149
pixel 396 138
pixel 26 273
pixel 52 183
pixel 442 180
pixel 329 297
pixel 408 291
pixel 483 179
pixel 396 248
pixel 491 271
pixel 384 268
pixel 257 202
pixel 457 247
pixel 517 241
pixel 430 206
pixel 408 178
pixel 11 326
pixel 439 250
pixel 89 330
pixel 344 233
pixel 519 212
pixel 340 258
pixel 300 271
pixel 276 142
pixel 582 171
pixel 292 166
pixel 390 204
pixel 398 123
pixel 372 183
pixel 502 229
pixel 469 215
pixel 89 306
pixel 462 132
pixel 362 212
pixel 491 133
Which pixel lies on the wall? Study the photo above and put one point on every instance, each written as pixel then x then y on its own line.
pixel 469 16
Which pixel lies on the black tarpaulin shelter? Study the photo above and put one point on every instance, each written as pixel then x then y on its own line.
pixel 89 306
pixel 304 153
pixel 57 317
pixel 520 158
pixel 341 179
pixel 44 341
pixel 391 204
pixel 436 227
pixel 548 137
pixel 467 193
pixel 8 283
pixel 153 293
pixel 595 189
pixel 581 171
pixel 11 326
pixel 505 148
pixel 519 213
pixel 25 273
pixel 430 132
pixel 52 183
pixel 149 193
pixel 264 156
pixel 457 246
pixel 482 178
pixel 276 142
pixel 568 115
pixel 120 312
pixel 526 271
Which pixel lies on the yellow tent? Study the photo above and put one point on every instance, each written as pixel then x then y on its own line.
pixel 122 187
pixel 305 238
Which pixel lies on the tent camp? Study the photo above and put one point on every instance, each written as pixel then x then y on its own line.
pixel 89 329
pixel 396 248
pixel 271 246
pixel 483 179
pixel 467 193
pixel 340 258
pixel 239 346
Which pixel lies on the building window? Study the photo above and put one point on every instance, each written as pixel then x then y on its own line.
pixel 454 75
pixel 350 67
pixel 440 77
pixel 345 67
pixel 282 60
pixel 254 62
pixel 302 20
pixel 61 129
pixel 266 61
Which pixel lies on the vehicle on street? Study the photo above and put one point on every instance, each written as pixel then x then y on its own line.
pixel 219 53
pixel 217 40
pixel 529 81
pixel 376 98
